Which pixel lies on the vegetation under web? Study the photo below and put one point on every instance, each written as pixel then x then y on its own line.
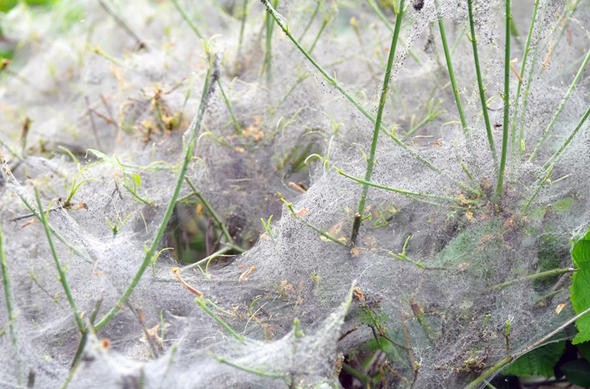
pixel 292 194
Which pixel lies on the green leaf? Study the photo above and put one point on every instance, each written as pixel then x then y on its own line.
pixel 580 288
pixel 580 296
pixel 581 251
pixel 7 5
pixel 537 362
pixel 577 372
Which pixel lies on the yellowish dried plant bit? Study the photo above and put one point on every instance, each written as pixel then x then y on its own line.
pixel 358 294
pixel 298 187
pixel 302 212
pixel 469 216
pixel 335 229
pixel 244 276
pixel 355 251
pixel 462 199
pixel 176 272
pixel 559 308
pixel 514 70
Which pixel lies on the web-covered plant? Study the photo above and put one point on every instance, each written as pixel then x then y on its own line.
pixel 288 194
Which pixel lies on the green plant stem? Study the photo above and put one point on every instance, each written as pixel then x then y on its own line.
pixel 505 361
pixel 187 19
pixel 325 22
pixel 62 273
pixel 311 19
pixel 298 82
pixel 209 258
pixel 269 24
pixel 557 154
pixel 193 130
pixel 7 290
pixel 55 233
pixel 204 305
pixel 382 100
pixel 332 81
pixel 396 190
pixel 455 88
pixel 258 372
pixel 527 49
pixel 563 22
pixel 531 277
pixel 214 215
pixel 390 27
pixel 228 104
pixel 289 206
pixel 550 164
pixel 506 97
pixel 480 86
pixel 565 98
pixel 242 28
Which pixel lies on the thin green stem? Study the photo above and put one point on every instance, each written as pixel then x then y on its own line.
pixel 204 305
pixel 244 16
pixel 505 361
pixel 311 19
pixel 390 27
pixel 455 88
pixel 325 22
pixel 501 171
pixel 480 86
pixel 258 372
pixel 193 131
pixel 209 258
pixel 539 184
pixel 7 290
pixel 550 164
pixel 382 100
pixel 55 233
pixel 214 215
pixel 62 273
pixel 562 24
pixel 267 64
pixel 320 231
pixel 565 98
pixel 332 81
pixel 557 154
pixel 531 277
pixel 187 19
pixel 299 80
pixel 396 190
pixel 228 104
pixel 527 49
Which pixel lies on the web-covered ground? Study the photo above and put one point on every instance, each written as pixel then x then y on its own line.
pixel 94 110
